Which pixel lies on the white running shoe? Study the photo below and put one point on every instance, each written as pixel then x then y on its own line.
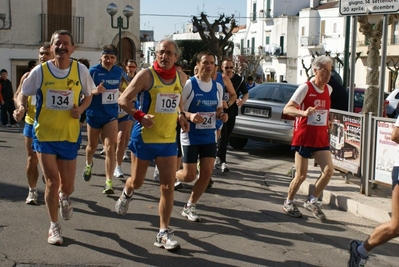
pixel 217 163
pixel 118 172
pixel 126 155
pixel 54 235
pixel 191 213
pixel 156 174
pixel 32 197
pixel 164 240
pixel 66 208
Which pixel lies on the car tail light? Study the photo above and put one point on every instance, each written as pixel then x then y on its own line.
pixel 384 109
pixel 287 117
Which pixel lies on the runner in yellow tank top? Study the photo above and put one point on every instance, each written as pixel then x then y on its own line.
pixel 156 114
pixel 32 172
pixel 57 127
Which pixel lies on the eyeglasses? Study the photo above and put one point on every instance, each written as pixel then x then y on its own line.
pixel 326 70
pixel 167 52
pixel 229 67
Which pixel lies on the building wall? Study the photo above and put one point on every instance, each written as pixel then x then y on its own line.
pixel 21 34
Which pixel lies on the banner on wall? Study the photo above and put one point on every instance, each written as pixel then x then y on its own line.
pixel 385 153
pixel 345 141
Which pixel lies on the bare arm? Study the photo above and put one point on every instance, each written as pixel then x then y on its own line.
pixel 184 124
pixel 230 90
pixel 292 109
pixel 20 87
pixel 21 102
pixel 395 134
pixel 142 81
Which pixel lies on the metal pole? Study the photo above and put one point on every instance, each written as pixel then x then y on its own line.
pixel 346 50
pixel 120 25
pixel 382 65
pixel 352 65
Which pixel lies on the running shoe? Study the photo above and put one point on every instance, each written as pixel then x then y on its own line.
pixel 291 209
pixel 109 188
pixel 190 213
pixel 66 208
pixel 315 208
pixel 87 172
pixel 217 163
pixel 164 240
pixel 118 172
pixel 54 235
pixel 126 155
pixel 224 167
pixel 178 185
pixel 210 183
pixel 122 204
pixel 32 197
pixel 355 259
pixel 156 174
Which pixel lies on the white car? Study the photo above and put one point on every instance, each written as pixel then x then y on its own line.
pixel 393 99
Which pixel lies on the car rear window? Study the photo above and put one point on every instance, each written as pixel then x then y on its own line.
pixel 275 92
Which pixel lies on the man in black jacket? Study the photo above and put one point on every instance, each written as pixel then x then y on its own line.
pixel 232 110
pixel 6 99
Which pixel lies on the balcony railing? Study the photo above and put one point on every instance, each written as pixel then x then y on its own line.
pixel 51 23
pixel 313 40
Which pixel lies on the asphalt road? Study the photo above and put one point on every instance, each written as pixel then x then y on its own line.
pixel 242 221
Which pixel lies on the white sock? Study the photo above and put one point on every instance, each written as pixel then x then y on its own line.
pixel 53 224
pixel 124 192
pixel 312 199
pixel 287 201
pixel 362 251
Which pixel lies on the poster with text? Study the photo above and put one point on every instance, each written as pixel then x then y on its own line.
pixel 345 141
pixel 385 153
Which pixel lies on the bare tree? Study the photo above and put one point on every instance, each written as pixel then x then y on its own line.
pixel 216 41
pixel 393 66
pixel 373 34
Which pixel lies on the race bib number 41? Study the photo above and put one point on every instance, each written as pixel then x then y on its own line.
pixel 167 103
pixel 59 99
pixel 110 96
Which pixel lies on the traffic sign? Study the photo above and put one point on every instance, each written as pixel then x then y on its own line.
pixel 368 7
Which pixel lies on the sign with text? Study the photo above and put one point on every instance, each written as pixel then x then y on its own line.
pixel 368 7
pixel 345 142
pixel 385 153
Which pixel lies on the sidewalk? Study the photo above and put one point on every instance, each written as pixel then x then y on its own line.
pixel 339 194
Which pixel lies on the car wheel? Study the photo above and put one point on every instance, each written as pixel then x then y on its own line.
pixel 238 142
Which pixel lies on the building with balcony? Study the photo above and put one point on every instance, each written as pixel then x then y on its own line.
pixel 272 31
pixel 25 25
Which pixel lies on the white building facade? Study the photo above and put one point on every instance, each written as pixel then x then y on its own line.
pixel 25 25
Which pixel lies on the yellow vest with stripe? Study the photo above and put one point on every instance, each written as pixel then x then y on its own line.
pixel 164 128
pixel 56 98
pixel 31 112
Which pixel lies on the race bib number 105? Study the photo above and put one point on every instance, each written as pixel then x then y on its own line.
pixel 167 103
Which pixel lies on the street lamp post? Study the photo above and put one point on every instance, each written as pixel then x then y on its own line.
pixel 112 9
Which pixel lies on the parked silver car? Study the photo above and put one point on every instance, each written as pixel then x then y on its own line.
pixel 261 117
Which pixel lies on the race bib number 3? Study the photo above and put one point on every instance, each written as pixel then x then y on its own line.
pixel 110 96
pixel 319 118
pixel 209 121
pixel 167 103
pixel 59 99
